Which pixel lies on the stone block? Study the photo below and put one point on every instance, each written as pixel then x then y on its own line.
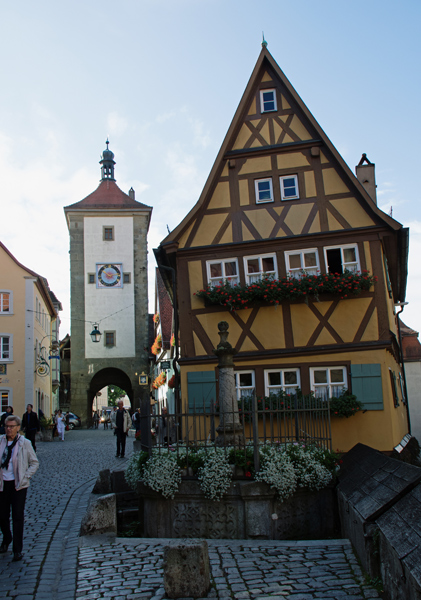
pixel 103 483
pixel 101 516
pixel 186 569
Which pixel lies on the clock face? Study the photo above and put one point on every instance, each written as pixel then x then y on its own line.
pixel 109 275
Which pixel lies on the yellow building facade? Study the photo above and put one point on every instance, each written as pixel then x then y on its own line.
pixel 27 318
pixel 281 205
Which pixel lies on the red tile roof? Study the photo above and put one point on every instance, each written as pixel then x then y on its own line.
pixel 108 195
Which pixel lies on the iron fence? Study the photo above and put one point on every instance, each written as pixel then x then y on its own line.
pixel 250 423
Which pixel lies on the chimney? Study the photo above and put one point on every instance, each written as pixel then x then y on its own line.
pixel 131 193
pixel 365 175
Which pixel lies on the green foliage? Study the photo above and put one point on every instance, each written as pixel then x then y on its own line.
pixel 114 394
pixel 275 291
pixel 345 405
pixel 243 459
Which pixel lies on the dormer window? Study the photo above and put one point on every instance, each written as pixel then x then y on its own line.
pixel 264 190
pixel 289 187
pixel 268 100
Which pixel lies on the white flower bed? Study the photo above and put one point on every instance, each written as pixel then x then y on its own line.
pixel 283 468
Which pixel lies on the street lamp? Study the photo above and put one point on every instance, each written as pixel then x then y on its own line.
pixel 95 334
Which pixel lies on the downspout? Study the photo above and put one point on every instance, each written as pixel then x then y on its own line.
pixel 402 306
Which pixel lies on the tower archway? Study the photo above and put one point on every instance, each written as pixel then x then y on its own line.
pixel 106 377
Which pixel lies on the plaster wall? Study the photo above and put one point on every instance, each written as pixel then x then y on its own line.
pixel 380 429
pixel 113 308
pixel 413 382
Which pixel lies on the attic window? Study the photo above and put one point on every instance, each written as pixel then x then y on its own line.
pixel 264 190
pixel 268 100
pixel 289 187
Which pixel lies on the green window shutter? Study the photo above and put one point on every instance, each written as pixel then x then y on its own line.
pixel 201 389
pixel 367 385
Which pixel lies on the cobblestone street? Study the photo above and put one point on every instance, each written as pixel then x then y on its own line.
pixel 128 569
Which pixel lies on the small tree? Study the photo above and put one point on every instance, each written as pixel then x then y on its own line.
pixel 114 394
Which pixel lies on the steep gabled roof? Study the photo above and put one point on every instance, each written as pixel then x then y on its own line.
pixel 316 137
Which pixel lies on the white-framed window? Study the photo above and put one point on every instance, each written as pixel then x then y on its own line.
pixel 220 271
pixel 6 349
pixel 289 187
pixel 257 267
pixel 286 380
pixel 244 384
pixel 264 190
pixel 328 381
pixel 342 258
pixel 300 262
pixel 268 100
pixel 6 302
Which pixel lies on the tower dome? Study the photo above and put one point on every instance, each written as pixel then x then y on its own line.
pixel 107 164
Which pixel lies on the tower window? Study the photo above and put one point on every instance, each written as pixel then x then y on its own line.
pixel 268 100
pixel 108 233
pixel 126 278
pixel 109 338
pixel 91 277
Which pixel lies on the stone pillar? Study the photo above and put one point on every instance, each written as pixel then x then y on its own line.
pixel 229 429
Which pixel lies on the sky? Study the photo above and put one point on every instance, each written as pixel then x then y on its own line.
pixel 163 78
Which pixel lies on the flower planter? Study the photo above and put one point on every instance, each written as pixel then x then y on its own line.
pixel 250 510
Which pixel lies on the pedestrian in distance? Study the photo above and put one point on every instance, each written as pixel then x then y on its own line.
pixel 18 463
pixel 30 425
pixel 136 420
pixel 9 411
pixel 121 422
pixel 61 425
pixel 54 418
pixel 95 419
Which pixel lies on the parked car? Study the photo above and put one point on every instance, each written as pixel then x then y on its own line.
pixel 74 421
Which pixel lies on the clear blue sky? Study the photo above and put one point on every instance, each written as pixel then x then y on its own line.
pixel 163 78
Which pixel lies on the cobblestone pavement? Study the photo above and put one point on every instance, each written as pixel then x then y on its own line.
pixel 131 569
pixel 54 567
pixel 57 499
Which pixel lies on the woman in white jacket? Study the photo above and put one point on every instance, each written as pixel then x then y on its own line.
pixel 18 463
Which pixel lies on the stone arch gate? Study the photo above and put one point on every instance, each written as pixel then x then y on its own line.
pixel 106 377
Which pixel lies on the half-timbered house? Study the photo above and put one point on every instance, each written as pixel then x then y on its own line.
pixel 280 203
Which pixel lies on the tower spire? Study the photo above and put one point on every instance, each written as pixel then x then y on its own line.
pixel 107 163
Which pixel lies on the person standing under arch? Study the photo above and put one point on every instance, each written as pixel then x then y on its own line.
pixel 121 421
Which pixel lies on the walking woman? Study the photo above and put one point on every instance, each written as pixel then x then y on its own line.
pixel 61 425
pixel 18 463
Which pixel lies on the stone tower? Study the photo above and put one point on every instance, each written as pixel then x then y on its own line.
pixel 109 288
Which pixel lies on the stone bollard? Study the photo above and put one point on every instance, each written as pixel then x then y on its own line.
pixel 186 569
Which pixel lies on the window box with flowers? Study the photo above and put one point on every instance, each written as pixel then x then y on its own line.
pixel 274 291
pixel 160 380
pixel 157 345
pixel 156 318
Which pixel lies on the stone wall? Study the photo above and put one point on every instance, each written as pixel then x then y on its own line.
pixel 380 511
pixel 250 510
